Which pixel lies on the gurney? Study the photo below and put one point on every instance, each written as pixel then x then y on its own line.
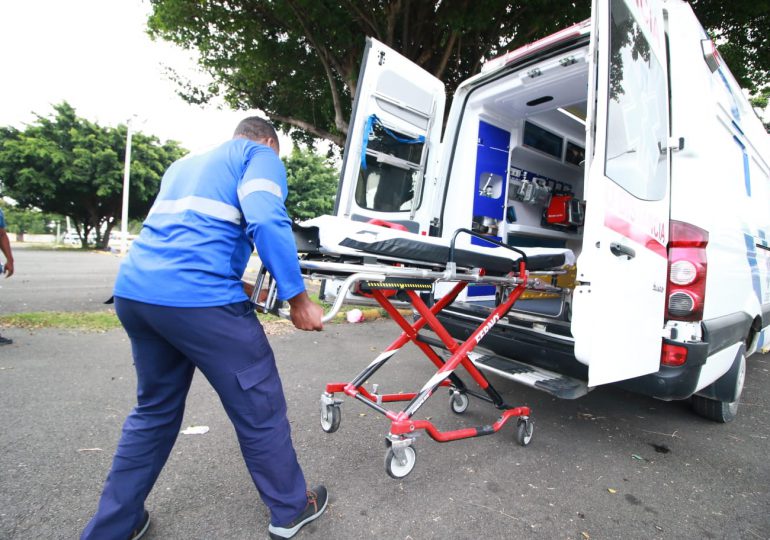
pixel 392 266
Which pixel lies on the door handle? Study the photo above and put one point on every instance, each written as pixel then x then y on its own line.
pixel 619 250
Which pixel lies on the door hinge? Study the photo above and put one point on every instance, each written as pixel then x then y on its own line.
pixel 676 144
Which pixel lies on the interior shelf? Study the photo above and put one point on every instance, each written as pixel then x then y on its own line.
pixel 541 232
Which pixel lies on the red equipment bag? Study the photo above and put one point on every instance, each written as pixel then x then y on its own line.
pixel 557 212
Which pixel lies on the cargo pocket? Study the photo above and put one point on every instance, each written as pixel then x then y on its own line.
pixel 262 388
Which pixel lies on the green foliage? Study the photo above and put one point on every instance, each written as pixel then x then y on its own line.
pixel 67 165
pixel 23 220
pixel 298 60
pixel 760 101
pixel 312 185
pixel 741 30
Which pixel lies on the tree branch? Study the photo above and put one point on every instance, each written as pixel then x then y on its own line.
pixel 323 56
pixel 360 14
pixel 391 16
pixel 339 140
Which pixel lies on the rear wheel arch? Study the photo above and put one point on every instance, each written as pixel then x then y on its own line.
pixel 752 335
pixel 719 401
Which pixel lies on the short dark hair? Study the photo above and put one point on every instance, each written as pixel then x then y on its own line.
pixel 255 128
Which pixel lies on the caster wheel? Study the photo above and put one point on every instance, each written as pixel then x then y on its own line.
pixel 394 468
pixel 459 403
pixel 524 429
pixel 330 418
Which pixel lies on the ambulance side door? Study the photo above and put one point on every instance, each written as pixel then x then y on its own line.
pixel 393 141
pixel 618 306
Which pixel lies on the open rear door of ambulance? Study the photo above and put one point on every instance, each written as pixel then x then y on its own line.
pixel 618 306
pixel 393 140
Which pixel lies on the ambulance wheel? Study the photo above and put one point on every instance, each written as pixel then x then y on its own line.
pixel 722 411
pixel 524 429
pixel 459 403
pixel 396 469
pixel 331 422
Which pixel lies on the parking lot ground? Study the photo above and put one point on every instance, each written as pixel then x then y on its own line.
pixel 609 465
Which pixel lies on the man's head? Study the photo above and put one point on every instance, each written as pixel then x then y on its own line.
pixel 257 130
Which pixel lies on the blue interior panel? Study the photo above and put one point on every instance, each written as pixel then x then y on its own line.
pixel 491 159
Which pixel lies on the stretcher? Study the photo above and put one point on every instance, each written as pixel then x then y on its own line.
pixel 393 266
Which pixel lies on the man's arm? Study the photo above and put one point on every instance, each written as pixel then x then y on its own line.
pixel 275 244
pixel 5 247
pixel 261 194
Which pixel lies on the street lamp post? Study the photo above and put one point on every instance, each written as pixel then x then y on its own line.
pixel 126 176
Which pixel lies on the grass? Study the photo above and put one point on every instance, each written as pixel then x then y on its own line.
pixel 101 321
pixel 98 321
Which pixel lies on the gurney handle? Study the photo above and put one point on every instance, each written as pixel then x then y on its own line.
pixel 342 292
pixel 268 304
pixel 485 239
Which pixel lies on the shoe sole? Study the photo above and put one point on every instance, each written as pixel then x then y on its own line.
pixel 139 534
pixel 294 530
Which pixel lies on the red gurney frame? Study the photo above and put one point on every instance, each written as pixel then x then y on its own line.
pixel 401 456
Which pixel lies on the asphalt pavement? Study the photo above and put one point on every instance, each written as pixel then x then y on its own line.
pixel 609 465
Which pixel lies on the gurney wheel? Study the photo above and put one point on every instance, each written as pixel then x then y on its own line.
pixel 458 402
pixel 524 429
pixel 331 422
pixel 396 469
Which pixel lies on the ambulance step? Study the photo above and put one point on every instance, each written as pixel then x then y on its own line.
pixel 560 386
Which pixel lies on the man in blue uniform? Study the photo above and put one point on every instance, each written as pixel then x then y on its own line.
pixel 5 247
pixel 180 298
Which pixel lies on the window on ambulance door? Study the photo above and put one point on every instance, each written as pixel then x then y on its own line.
pixel 392 172
pixel 637 132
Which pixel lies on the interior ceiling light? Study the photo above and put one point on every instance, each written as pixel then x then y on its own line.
pixel 572 114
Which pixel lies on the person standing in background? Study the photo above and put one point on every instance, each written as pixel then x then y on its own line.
pixel 5 247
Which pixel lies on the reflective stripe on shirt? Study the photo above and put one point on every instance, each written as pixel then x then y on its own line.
pixel 259 184
pixel 202 205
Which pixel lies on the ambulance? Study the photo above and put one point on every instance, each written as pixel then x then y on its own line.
pixel 624 139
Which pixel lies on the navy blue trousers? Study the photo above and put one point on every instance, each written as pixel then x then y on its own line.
pixel 227 344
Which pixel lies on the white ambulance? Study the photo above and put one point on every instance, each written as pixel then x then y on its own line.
pixel 624 139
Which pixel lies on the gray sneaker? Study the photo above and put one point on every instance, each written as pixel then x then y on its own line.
pixel 316 504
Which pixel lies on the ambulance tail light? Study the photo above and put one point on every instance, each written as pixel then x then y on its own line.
pixel 686 290
pixel 673 355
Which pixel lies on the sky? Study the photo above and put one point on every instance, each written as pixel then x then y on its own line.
pixel 96 55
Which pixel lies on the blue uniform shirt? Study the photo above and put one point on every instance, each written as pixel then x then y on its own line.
pixel 212 209
pixel 2 219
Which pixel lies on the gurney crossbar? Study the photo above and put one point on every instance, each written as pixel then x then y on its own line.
pixel 389 281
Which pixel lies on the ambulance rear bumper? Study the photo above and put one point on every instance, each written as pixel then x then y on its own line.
pixel 672 382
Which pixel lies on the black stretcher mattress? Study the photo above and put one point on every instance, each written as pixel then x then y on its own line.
pixel 333 236
pixel 409 249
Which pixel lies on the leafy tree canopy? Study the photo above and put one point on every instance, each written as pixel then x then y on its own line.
pixel 67 165
pixel 741 29
pixel 312 185
pixel 298 60
pixel 27 220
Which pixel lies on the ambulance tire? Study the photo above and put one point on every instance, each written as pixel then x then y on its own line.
pixel 722 411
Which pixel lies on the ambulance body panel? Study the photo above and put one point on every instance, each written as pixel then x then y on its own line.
pixel 624 139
